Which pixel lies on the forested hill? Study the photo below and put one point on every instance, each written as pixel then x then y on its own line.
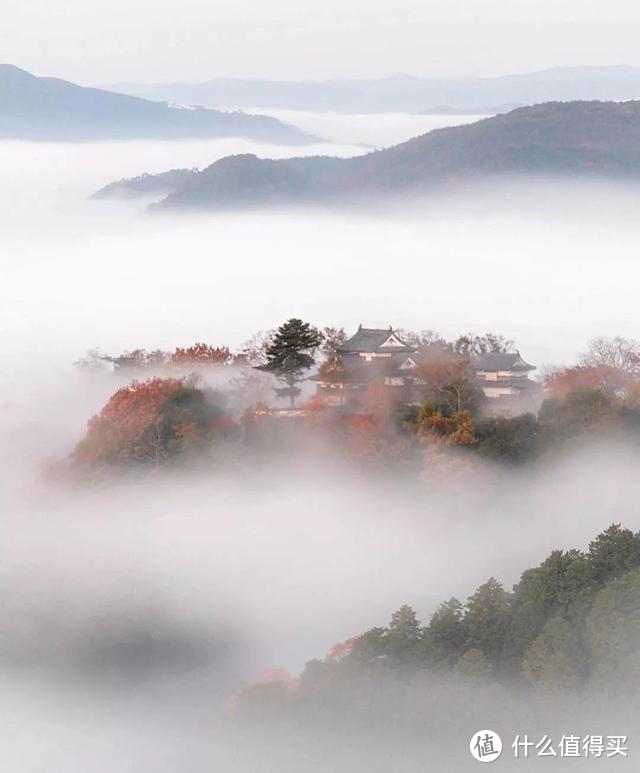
pixel 570 139
pixel 50 109
pixel 571 626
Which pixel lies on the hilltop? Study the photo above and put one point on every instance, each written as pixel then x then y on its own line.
pixel 49 109
pixel 600 139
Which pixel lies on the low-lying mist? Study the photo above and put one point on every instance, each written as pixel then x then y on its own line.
pixel 133 609
pixel 546 264
pixel 298 559
pixel 377 131
pixel 137 608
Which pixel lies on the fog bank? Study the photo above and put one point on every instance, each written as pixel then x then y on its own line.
pixel 133 609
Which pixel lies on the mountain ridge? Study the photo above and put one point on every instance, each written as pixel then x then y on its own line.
pixel 405 93
pixel 51 109
pixel 600 139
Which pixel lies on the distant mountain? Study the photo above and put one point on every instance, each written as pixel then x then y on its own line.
pixel 51 109
pixel 482 96
pixel 570 139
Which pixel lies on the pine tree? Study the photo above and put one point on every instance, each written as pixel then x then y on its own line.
pixel 403 638
pixel 290 354
pixel 446 635
pixel 612 553
pixel 487 619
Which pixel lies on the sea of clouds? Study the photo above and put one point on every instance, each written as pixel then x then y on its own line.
pixel 231 576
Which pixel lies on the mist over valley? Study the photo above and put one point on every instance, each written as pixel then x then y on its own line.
pixel 590 140
pixel 158 617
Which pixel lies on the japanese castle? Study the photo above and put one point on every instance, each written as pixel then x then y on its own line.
pixel 381 356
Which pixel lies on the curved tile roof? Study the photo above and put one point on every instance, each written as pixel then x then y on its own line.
pixel 499 361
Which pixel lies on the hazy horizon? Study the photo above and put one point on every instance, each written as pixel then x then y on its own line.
pixel 111 83
pixel 194 40
pixel 389 75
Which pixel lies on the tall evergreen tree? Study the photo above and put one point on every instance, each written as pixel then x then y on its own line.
pixel 561 587
pixel 556 660
pixel 487 619
pixel 446 635
pixel 290 354
pixel 614 632
pixel 613 552
pixel 403 637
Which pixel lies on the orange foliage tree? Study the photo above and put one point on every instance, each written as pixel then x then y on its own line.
pixel 266 695
pixel 150 422
pixel 342 649
pixel 205 354
pixel 457 429
pixel 612 382
pixel 447 376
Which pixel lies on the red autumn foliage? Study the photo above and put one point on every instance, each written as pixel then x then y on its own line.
pixel 378 402
pixel 222 424
pixel 205 354
pixel 369 440
pixel 341 649
pixel 254 413
pixel 148 422
pixel 613 382
pixel 265 691
pixel 315 405
pixel 361 422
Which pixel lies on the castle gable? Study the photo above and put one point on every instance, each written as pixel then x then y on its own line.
pixel 374 341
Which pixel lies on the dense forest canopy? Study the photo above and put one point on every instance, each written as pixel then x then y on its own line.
pixel 571 625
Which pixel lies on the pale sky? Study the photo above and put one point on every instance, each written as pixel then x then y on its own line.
pixel 102 41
